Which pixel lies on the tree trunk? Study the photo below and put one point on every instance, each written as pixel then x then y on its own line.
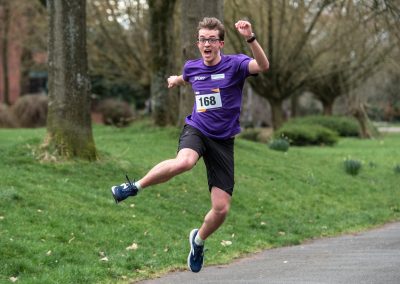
pixel 69 128
pixel 361 115
pixel 192 13
pixel 4 52
pixel 294 105
pixel 327 107
pixel 277 114
pixel 160 25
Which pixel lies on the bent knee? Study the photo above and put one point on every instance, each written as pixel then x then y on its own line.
pixel 221 209
pixel 185 164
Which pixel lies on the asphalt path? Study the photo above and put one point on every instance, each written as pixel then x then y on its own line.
pixel 367 257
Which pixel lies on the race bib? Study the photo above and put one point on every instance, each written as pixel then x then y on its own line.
pixel 208 101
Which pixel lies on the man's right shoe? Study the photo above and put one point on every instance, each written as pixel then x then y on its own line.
pixel 123 191
pixel 196 255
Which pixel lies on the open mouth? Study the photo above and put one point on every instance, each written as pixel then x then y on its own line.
pixel 207 51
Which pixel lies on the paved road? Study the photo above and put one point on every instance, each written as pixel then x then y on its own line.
pixel 391 129
pixel 368 257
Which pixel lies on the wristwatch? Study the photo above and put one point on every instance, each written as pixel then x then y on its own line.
pixel 253 38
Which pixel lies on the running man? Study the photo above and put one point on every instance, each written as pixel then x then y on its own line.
pixel 217 81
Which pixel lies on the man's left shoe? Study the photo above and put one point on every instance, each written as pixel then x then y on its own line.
pixel 196 255
pixel 123 191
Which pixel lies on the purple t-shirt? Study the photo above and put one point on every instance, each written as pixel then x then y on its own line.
pixel 218 94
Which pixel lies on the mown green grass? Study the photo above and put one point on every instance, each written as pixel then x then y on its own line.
pixel 58 220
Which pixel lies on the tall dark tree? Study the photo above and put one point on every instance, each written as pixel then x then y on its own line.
pixel 69 128
pixel 118 44
pixel 313 42
pixel 160 26
pixel 286 30
pixel 4 31
pixel 359 51
pixel 192 13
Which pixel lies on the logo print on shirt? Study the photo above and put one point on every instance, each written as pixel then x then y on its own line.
pixel 217 76
pixel 200 78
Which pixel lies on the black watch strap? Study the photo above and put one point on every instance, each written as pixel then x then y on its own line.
pixel 253 38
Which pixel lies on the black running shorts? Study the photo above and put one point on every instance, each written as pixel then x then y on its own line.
pixel 217 156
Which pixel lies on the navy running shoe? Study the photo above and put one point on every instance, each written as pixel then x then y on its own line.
pixel 196 255
pixel 123 191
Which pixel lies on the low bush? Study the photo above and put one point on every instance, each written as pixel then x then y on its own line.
pixel 251 134
pixel 279 144
pixel 7 120
pixel 31 110
pixel 343 125
pixel 307 134
pixel 115 112
pixel 352 167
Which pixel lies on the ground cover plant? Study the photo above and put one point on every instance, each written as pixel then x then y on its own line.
pixel 279 144
pixel 59 223
pixel 344 125
pixel 307 134
pixel 353 167
pixel 318 130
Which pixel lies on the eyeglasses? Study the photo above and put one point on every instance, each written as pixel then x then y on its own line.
pixel 209 40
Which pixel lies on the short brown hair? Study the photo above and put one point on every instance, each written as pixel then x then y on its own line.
pixel 212 24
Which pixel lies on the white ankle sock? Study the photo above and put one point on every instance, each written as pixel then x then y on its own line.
pixel 198 241
pixel 137 184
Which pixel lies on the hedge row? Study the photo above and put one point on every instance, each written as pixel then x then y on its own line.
pixel 344 126
pixel 30 111
pixel 317 130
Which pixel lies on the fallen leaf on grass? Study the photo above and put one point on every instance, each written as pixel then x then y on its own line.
pixel 104 258
pixel 226 243
pixel 134 246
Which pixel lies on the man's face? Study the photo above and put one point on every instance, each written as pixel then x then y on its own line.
pixel 209 46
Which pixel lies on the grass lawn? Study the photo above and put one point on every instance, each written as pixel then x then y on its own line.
pixel 59 222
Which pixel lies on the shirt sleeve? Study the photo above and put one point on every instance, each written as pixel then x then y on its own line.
pixel 243 61
pixel 184 73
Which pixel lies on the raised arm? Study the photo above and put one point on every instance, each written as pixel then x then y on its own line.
pixel 260 62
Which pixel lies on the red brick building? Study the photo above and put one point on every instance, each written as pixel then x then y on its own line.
pixel 16 37
pixel 14 55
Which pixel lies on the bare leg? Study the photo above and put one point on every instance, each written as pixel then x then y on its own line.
pixel 164 171
pixel 220 203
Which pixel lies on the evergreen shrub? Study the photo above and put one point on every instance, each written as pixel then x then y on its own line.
pixel 31 111
pixel 7 120
pixel 307 134
pixel 352 167
pixel 343 125
pixel 116 112
pixel 251 134
pixel 279 144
